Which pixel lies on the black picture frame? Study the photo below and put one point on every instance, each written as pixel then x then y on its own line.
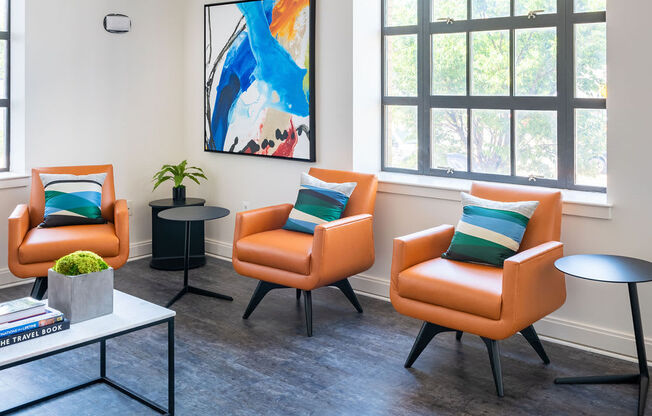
pixel 311 76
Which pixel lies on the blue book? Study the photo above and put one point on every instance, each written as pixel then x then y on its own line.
pixel 50 317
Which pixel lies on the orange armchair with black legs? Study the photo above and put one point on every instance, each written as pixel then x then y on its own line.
pixel 280 258
pixel 492 302
pixel 33 250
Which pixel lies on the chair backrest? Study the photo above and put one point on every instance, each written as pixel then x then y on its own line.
pixel 37 197
pixel 363 199
pixel 545 224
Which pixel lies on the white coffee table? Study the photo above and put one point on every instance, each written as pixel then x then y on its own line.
pixel 130 314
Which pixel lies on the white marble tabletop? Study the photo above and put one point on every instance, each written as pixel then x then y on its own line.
pixel 128 312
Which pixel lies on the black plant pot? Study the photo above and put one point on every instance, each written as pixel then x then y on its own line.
pixel 179 193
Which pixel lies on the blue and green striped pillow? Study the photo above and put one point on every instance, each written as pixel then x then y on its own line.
pixel 318 202
pixel 489 231
pixel 72 199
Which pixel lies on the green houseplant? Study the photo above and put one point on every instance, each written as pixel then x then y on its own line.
pixel 81 286
pixel 178 173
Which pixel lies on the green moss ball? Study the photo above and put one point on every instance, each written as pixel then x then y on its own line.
pixel 80 262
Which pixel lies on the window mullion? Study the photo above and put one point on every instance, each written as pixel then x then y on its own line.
pixel 566 139
pixel 423 52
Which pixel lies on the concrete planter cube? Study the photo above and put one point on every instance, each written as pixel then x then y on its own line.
pixel 82 297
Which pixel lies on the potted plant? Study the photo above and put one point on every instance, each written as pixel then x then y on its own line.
pixel 178 173
pixel 81 286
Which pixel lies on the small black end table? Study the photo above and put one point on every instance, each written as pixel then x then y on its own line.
pixel 615 269
pixel 188 215
pixel 167 237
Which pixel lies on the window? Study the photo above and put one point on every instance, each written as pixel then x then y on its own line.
pixel 5 30
pixel 499 90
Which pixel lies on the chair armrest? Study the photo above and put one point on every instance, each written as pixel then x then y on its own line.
pixel 121 223
pixel 416 248
pixel 532 286
pixel 260 220
pixel 343 248
pixel 18 228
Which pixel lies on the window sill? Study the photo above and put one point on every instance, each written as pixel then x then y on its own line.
pixel 575 203
pixel 9 180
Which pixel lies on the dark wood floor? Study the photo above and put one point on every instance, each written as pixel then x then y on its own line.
pixel 267 366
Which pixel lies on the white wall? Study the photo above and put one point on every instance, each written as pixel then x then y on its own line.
pixel 82 105
pixel 92 97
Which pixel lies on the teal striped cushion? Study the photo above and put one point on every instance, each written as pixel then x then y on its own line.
pixel 490 231
pixel 318 202
pixel 72 199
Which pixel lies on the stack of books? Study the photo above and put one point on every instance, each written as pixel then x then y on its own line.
pixel 25 319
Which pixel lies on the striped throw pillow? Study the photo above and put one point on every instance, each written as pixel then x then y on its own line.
pixel 318 202
pixel 490 231
pixel 72 199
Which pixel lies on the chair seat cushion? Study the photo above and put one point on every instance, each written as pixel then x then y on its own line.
pixel 49 244
pixel 280 249
pixel 464 287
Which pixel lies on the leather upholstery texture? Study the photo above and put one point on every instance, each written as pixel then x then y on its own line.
pixel 338 249
pixel 491 302
pixel 32 251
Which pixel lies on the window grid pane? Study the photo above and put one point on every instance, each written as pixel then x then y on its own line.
pixel 449 64
pixel 401 146
pixel 591 60
pixel 490 141
pixel 449 132
pixel 490 63
pixel 443 9
pixel 401 13
pixel 401 65
pixel 535 55
pixel 591 147
pixel 536 144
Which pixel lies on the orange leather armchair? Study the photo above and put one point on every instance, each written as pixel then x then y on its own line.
pixel 33 250
pixel 491 302
pixel 287 259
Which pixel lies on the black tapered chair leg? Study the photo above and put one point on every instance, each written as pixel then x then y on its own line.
pixel 531 336
pixel 298 294
pixel 346 288
pixel 458 335
pixel 262 289
pixel 494 357
pixel 426 334
pixel 307 299
pixel 39 288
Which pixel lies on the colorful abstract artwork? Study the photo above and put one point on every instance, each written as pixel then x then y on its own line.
pixel 259 78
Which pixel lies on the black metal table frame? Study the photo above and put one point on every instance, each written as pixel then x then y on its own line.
pixel 643 376
pixel 187 288
pixel 104 379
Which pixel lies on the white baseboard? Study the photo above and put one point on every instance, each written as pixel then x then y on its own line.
pixel 574 334
pixel 136 251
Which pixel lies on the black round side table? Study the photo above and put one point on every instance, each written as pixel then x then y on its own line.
pixel 188 215
pixel 615 269
pixel 167 237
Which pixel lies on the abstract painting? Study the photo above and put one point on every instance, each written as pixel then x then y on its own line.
pixel 259 78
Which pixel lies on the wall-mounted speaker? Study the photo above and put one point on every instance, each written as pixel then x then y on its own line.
pixel 117 23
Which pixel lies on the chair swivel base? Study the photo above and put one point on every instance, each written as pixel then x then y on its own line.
pixel 196 291
pixel 264 288
pixel 429 330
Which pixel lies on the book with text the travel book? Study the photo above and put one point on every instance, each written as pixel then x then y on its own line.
pixel 14 327
pixel 20 308
pixel 35 333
